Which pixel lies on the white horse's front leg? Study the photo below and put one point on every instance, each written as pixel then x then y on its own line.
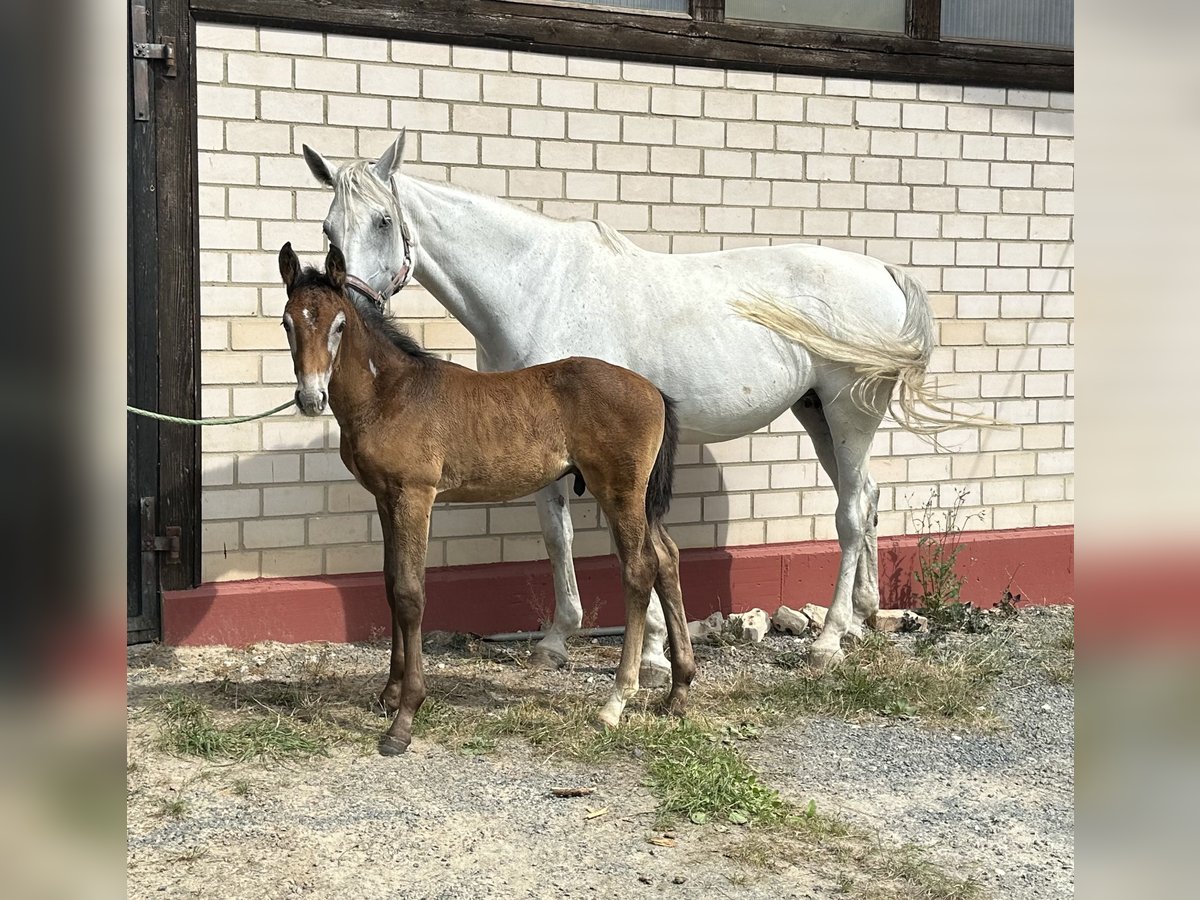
pixel 555 516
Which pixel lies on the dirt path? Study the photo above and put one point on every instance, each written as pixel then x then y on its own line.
pixel 474 817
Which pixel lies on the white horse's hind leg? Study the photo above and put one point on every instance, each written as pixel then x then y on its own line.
pixel 866 579
pixel 842 435
pixel 656 668
pixel 555 517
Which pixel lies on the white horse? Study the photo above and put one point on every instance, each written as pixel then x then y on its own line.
pixel 736 337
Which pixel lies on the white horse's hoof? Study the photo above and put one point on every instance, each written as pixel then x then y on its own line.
pixel 856 631
pixel 547 658
pixel 650 676
pixel 825 658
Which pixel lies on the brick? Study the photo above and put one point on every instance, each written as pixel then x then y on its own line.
pixel 291 43
pixel 728 163
pixel 568 93
pixel 347 529
pixel 745 478
pixel 227 37
pixel 583 126
pixel 583 67
pixel 820 168
pixel 753 135
pixel 675 160
pixel 879 171
pixel 666 101
pixel 513 90
pixel 986 147
pixel 647 130
pixel 260 203
pixel 969 118
pixel 924 115
pixel 934 144
pixel 893 143
pixel 646 188
pixel 591 186
pixel 351 47
pixel 877 114
pixel 390 81
pixel 440 84
pixel 229 504
pixel 295 107
pixel 842 196
pixel 449 148
pixel 226 102
pixel 545 123
pixel 566 155
pixel 826 110
pixel 621 158
pixel 460 521
pixel 728 219
pixel 778 221
pixel 728 105
pixel 623 97
pixel 1012 121
pixel 266 71
pixel 696 133
pixel 480 58
pixel 775 447
pixel 652 72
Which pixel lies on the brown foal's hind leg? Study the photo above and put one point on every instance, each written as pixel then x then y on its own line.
pixel 639 568
pixel 409 537
pixel 389 697
pixel 683 663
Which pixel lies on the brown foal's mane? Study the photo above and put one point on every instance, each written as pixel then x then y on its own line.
pixel 371 316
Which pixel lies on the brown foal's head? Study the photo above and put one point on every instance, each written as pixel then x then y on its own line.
pixel 314 319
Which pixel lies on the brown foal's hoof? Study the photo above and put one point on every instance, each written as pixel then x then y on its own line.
pixel 390 745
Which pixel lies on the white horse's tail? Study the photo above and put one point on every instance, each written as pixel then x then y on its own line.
pixel 878 360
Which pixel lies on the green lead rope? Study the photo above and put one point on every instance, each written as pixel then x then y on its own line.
pixel 223 420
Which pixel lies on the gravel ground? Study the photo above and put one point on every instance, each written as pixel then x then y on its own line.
pixel 999 805
pixel 438 823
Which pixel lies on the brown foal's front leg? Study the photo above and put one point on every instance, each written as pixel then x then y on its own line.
pixel 408 539
pixel 389 697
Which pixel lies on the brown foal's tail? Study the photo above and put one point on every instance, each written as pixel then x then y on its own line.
pixel 662 476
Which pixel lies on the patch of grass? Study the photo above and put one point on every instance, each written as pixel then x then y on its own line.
pixel 189 729
pixel 938 546
pixel 240 787
pixel 905 874
pixel 877 678
pixel 175 808
pixel 861 867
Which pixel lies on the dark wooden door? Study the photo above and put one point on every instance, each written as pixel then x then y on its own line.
pixel 163 322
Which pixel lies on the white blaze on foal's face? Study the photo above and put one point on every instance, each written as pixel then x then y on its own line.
pixel 314 339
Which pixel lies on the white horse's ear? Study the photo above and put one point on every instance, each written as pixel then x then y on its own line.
pixel 318 165
pixel 388 164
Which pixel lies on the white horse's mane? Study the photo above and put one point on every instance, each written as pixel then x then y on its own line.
pixel 361 184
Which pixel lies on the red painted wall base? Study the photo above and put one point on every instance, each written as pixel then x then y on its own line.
pixel 486 599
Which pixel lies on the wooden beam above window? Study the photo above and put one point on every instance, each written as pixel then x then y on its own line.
pixel 703 40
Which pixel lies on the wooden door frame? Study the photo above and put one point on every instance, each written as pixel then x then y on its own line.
pixel 164 363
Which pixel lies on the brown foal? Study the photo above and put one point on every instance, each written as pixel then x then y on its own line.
pixel 416 429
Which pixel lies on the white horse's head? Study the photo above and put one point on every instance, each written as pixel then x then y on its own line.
pixel 365 221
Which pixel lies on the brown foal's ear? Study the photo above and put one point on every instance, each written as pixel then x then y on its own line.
pixel 335 268
pixel 289 265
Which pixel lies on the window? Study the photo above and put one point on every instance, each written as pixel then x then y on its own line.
pixel 858 15
pixel 1029 23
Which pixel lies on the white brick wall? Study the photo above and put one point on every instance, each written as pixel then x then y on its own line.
pixel 970 188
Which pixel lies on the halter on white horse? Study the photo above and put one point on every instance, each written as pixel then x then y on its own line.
pixel 738 337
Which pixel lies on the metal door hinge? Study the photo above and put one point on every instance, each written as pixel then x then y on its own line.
pixel 164 52
pixel 169 542
pixel 143 51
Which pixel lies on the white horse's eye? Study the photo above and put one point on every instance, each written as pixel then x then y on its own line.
pixel 385 221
